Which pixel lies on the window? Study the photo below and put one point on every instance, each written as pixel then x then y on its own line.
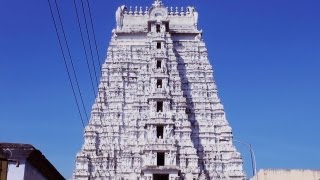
pixel 159 83
pixel 167 27
pixel 158 28
pixel 158 64
pixel 160 158
pixel 159 106
pixel 158 45
pixel 149 27
pixel 159 131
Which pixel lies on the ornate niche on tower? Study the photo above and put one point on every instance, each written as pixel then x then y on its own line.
pixel 158 19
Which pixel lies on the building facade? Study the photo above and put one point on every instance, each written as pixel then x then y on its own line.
pixel 23 161
pixel 287 174
pixel 157 114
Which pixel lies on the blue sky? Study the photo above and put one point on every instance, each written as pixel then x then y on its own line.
pixel 266 59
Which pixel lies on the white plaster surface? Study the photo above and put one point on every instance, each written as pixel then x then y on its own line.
pixel 15 173
pixel 283 174
pixel 24 171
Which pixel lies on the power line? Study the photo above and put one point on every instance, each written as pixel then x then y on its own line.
pixel 69 53
pixel 94 34
pixel 84 46
pixel 95 42
pixel 65 63
pixel 88 36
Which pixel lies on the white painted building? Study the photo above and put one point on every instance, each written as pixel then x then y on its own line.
pixel 24 162
pixel 287 174
pixel 157 114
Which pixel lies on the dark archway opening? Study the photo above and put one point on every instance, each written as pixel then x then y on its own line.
pixel 159 131
pixel 160 158
pixel 158 64
pixel 161 177
pixel 158 45
pixel 158 28
pixel 159 106
pixel 159 83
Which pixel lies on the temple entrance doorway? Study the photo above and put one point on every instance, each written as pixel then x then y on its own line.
pixel 160 176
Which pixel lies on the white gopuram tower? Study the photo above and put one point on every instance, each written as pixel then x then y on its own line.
pixel 157 114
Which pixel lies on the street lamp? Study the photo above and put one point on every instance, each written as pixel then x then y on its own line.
pixel 253 158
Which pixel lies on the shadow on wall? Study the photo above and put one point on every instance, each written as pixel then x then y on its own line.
pixel 186 89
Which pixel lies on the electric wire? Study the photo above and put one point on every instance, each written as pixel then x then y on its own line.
pixel 84 46
pixel 88 36
pixel 96 47
pixel 69 53
pixel 65 63
pixel 94 34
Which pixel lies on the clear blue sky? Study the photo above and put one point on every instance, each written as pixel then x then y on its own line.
pixel 265 54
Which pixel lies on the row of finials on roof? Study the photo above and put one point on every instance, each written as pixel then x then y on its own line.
pixel 171 11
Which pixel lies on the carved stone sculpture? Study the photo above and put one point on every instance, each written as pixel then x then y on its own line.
pixel 119 17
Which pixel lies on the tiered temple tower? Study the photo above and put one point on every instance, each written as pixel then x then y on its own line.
pixel 157 114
